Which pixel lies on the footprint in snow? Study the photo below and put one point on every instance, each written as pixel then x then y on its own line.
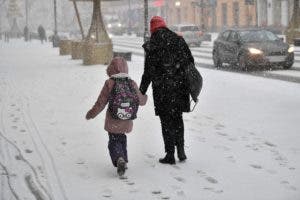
pixel 80 161
pixel 202 173
pixel 22 130
pixel 181 193
pixel 211 180
pixel 269 144
pixel 156 192
pixel 14 127
pixel 28 151
pixel 251 133
pixel 176 167
pixel 288 186
pixel 213 190
pixel 233 139
pixel 271 171
pixel 19 157
pixel 165 197
pixel 219 126
pixel 256 166
pixel 221 133
pixel 210 118
pixel 180 179
pixel 107 193
pixel 175 187
pixel 133 191
pixel 150 155
pixel 12 105
pixel 231 159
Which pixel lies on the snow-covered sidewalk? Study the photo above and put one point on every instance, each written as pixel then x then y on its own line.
pixel 242 140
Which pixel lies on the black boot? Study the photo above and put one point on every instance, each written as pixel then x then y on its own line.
pixel 180 153
pixel 168 159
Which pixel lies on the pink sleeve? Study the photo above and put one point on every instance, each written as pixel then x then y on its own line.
pixel 102 100
pixel 142 98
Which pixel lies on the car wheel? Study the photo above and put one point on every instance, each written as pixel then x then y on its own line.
pixel 287 65
pixel 242 63
pixel 216 58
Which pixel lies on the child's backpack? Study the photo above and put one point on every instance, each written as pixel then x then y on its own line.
pixel 123 101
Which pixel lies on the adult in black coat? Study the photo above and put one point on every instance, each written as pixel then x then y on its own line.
pixel 167 56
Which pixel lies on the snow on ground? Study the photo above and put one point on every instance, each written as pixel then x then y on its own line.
pixel 242 140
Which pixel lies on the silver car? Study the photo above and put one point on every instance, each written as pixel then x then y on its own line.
pixel 190 32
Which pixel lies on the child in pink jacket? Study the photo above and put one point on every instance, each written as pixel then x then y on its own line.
pixel 116 129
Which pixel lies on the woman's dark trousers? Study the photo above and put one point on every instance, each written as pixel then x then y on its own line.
pixel 117 146
pixel 172 131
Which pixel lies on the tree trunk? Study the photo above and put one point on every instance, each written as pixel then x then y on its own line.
pixel 97 30
pixel 78 19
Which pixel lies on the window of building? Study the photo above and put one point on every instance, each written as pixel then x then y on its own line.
pixel 236 13
pixel 224 14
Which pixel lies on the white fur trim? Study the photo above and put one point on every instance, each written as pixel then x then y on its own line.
pixel 120 75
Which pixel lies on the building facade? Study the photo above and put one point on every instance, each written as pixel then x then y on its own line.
pixel 275 13
pixel 212 15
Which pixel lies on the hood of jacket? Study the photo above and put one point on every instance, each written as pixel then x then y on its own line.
pixel 116 66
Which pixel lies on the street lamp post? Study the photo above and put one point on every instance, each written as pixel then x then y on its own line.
pixel 202 15
pixel 55 18
pixel 146 31
pixel 129 18
pixel 26 29
pixel 55 39
pixel 26 11
pixel 177 5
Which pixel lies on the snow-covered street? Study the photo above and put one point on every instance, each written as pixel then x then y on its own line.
pixel 242 140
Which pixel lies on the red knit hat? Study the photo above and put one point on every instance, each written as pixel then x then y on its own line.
pixel 156 23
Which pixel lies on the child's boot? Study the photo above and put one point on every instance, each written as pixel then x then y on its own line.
pixel 121 165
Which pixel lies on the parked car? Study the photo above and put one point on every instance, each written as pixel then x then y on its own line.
pixel 190 32
pixel 251 47
pixel 115 27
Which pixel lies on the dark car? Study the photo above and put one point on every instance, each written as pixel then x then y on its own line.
pixel 251 47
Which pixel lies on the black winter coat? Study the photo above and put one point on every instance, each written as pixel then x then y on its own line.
pixel 167 56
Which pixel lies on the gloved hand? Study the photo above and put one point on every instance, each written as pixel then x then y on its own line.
pixel 89 115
